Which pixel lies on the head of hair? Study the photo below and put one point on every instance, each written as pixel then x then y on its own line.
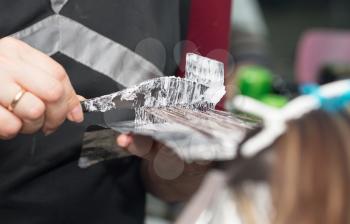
pixel 309 177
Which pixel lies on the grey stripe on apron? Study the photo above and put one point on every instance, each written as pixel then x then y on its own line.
pixel 58 33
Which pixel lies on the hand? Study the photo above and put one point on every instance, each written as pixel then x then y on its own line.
pixel 141 146
pixel 48 97
pixel 166 163
pixel 165 174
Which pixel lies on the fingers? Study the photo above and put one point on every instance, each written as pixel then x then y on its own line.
pixel 56 71
pixel 9 89
pixel 72 115
pixel 75 112
pixel 81 98
pixel 29 109
pixel 10 124
pixel 124 140
pixel 141 146
pixel 67 105
pixel 29 106
pixel 32 79
pixel 49 98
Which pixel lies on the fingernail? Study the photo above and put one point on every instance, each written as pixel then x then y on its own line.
pixel 77 114
pixel 124 141
pixel 48 132
pixel 121 141
pixel 81 98
pixel 70 117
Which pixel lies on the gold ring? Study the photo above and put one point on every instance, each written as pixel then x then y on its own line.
pixel 16 99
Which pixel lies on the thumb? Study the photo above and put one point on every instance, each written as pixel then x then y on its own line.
pixel 124 140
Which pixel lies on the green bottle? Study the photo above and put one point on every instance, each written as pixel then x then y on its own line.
pixel 254 81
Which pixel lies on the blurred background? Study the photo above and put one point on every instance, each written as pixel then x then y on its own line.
pixel 278 45
pixel 281 44
pixel 287 20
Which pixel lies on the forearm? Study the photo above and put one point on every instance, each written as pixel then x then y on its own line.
pixel 179 188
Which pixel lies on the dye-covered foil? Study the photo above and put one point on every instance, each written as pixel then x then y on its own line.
pixel 178 112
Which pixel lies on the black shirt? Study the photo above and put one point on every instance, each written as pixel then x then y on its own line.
pixel 40 181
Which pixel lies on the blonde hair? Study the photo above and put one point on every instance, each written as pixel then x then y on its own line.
pixel 311 175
